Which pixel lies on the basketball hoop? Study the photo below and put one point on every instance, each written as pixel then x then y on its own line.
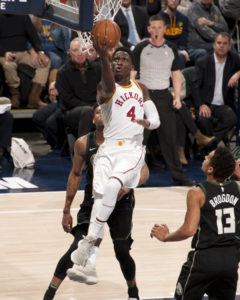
pixel 103 9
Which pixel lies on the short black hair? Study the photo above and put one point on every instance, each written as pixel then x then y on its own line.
pixel 223 163
pixel 124 49
pixel 224 34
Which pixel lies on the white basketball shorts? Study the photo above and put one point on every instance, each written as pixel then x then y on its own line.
pixel 122 159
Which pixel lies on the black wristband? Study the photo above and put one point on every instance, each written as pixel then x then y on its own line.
pixel 66 211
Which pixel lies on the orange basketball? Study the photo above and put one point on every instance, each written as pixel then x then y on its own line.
pixel 106 30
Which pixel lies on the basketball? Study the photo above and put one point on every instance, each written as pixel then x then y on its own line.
pixel 107 31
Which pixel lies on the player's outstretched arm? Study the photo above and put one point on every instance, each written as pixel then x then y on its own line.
pixel 195 200
pixel 74 179
pixel 107 84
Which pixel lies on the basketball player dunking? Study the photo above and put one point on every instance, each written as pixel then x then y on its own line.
pixel 119 159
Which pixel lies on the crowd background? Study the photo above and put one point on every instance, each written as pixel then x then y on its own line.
pixel 41 68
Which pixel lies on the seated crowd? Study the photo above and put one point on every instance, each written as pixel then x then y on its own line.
pixel 183 52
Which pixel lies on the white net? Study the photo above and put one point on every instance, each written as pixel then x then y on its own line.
pixel 106 9
pixel 103 9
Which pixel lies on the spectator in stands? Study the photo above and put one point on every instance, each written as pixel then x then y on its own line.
pixel 151 56
pixel 77 85
pixel 177 29
pixel 184 6
pixel 153 7
pixel 6 124
pixel 231 12
pixel 49 121
pixel 186 124
pixel 55 43
pixel 133 22
pixel 213 89
pixel 230 8
pixel 15 33
pixel 205 22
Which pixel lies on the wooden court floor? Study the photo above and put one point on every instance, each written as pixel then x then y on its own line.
pixel 32 241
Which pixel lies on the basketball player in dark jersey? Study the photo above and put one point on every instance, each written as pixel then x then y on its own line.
pixel 213 217
pixel 120 222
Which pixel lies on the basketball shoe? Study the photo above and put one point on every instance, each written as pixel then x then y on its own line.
pixel 82 253
pixel 133 293
pixel 86 275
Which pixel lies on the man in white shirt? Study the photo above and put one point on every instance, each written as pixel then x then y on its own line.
pixel 214 80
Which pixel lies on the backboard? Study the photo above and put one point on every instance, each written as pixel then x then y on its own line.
pixel 74 14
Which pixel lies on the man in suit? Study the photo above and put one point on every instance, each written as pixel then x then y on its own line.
pixel 133 22
pixel 214 79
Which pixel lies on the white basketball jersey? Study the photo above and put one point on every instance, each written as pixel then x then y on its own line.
pixel 118 112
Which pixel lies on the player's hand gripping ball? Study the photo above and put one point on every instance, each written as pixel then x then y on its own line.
pixel 107 32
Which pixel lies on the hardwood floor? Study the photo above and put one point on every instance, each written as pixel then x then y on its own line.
pixel 32 241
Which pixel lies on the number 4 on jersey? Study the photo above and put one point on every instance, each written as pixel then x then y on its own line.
pixel 131 113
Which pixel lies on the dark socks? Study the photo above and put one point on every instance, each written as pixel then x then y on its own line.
pixel 50 292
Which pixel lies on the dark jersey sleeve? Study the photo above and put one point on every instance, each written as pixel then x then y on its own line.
pixel 137 55
pixel 175 63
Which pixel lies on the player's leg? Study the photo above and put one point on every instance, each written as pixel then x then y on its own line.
pixel 120 225
pixel 225 262
pixel 64 263
pixel 107 183
pixel 223 289
pixel 101 183
pixel 86 274
pixel 127 265
pixel 107 205
pixel 192 282
pixel 123 168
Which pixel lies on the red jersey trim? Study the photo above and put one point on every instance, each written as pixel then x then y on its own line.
pixel 135 165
